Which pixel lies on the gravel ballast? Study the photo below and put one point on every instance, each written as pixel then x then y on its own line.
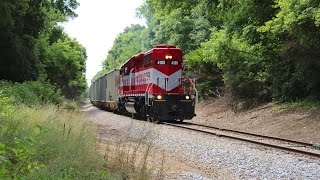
pixel 212 157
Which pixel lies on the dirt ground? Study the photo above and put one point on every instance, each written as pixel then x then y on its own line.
pixel 290 124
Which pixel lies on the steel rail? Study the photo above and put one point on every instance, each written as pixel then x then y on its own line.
pixel 316 155
pixel 252 134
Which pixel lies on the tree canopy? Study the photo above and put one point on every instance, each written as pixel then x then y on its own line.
pixel 130 42
pixel 33 45
pixel 260 50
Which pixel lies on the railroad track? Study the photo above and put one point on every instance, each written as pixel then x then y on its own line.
pixel 272 142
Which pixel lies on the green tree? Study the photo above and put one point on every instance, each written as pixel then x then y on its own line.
pixel 65 66
pixel 295 28
pixel 33 45
pixel 169 22
pixel 21 23
pixel 131 42
pixel 261 50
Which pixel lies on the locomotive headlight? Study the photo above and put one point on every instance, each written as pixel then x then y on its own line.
pixel 187 97
pixel 159 96
pixel 168 57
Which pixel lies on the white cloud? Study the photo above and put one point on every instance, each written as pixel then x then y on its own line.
pixel 97 25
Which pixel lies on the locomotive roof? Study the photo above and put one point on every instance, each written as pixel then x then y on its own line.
pixel 136 56
pixel 160 46
pixel 164 46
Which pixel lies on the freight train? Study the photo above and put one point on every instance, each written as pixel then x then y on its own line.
pixel 149 85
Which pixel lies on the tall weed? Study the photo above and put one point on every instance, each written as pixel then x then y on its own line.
pixel 48 143
pixel 132 155
pixel 43 141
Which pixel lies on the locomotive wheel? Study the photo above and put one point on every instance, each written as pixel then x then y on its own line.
pixel 143 113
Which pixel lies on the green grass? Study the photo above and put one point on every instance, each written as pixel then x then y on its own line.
pixel 47 143
pixel 306 104
pixel 70 105
pixel 39 140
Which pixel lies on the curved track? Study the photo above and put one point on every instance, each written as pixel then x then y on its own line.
pixel 272 142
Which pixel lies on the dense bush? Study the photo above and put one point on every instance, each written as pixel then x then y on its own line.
pixel 32 93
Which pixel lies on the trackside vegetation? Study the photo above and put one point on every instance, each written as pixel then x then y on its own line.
pixel 259 50
pixel 43 137
pixel 38 140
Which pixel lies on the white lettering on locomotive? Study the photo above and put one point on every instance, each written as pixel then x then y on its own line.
pixel 152 76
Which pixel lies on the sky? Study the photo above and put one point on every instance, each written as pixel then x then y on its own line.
pixel 98 24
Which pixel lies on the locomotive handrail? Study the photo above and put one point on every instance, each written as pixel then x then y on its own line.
pixel 147 93
pixel 195 89
pixel 189 88
pixel 187 84
pixel 185 88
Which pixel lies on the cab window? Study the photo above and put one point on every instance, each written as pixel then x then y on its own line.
pixel 147 60
pixel 126 70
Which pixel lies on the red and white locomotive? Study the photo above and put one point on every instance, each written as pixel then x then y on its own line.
pixel 150 85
